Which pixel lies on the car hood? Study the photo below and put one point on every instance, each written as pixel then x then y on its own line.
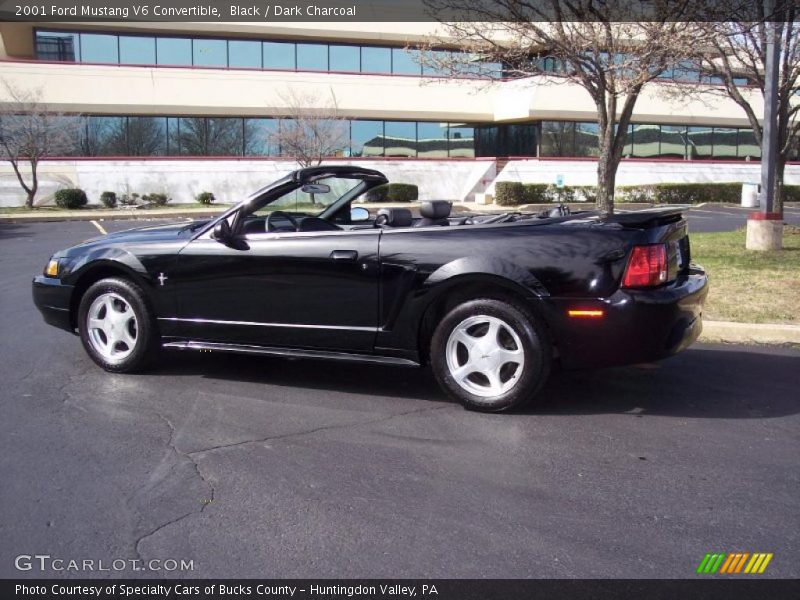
pixel 144 235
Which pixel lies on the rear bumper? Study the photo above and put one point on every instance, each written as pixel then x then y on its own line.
pixel 637 325
pixel 52 298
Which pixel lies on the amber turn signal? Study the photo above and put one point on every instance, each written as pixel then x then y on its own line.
pixel 52 268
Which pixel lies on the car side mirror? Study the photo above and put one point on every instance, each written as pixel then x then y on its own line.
pixel 222 231
pixel 359 214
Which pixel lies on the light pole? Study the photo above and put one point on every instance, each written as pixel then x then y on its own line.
pixel 765 227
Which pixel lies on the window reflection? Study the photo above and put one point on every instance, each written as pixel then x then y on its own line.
pixel 57 45
pixel 646 142
pixel 312 57
pixel 406 62
pixel 432 140
pixel 748 147
pixel 105 136
pixel 345 58
pixel 673 141
pixel 279 55
pixel 376 60
pixel 461 141
pixel 200 136
pixel 586 139
pixel 724 141
pixel 558 138
pixel 400 138
pixel 244 54
pixel 137 50
pixel 261 137
pixel 99 48
pixel 147 136
pixel 700 142
pixel 210 53
pixel 174 51
pixel 366 138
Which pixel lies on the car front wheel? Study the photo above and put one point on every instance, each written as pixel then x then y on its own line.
pixel 117 328
pixel 490 354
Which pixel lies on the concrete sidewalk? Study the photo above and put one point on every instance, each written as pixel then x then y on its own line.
pixel 750 333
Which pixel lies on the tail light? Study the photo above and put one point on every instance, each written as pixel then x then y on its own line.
pixel 647 267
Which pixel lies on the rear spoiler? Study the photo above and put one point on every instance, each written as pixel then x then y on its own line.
pixel 647 216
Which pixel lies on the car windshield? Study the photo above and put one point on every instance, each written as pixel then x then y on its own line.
pixel 314 204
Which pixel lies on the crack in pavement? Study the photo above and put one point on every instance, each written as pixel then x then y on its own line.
pixel 284 436
pixel 181 455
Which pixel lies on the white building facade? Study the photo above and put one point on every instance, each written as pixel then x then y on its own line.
pixel 188 107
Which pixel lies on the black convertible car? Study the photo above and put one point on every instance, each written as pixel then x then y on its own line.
pixel 491 302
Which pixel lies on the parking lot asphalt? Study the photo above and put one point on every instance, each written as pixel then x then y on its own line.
pixel 261 467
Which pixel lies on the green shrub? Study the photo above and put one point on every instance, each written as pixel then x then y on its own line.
pixel 205 198
pixel 509 193
pixel 791 193
pixel 560 194
pixel 680 193
pixel 393 192
pixel 534 193
pixel 109 199
pixel 71 198
pixel 128 199
pixel 156 198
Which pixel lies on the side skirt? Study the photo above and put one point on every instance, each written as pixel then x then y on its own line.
pixel 291 353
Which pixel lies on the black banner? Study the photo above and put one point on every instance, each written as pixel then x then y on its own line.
pixel 431 589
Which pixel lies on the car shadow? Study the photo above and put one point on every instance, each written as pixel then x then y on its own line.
pixel 703 382
pixel 14 230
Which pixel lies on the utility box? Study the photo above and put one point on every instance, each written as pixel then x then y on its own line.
pixel 750 195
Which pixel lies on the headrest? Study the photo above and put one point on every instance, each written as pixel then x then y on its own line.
pixel 435 209
pixel 394 217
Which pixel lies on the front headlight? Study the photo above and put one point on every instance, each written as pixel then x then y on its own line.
pixel 52 268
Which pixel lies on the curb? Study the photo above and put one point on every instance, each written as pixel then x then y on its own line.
pixel 750 333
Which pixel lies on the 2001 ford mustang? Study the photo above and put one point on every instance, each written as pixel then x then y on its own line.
pixel 491 302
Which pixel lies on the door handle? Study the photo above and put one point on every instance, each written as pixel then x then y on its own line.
pixel 344 255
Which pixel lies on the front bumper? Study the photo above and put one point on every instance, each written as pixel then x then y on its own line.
pixel 52 298
pixel 637 325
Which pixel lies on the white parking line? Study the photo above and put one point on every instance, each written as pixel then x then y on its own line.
pixel 99 227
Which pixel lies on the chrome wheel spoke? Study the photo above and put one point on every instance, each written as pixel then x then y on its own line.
pixel 112 327
pixel 485 356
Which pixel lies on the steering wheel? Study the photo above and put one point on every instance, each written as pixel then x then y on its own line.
pixel 283 215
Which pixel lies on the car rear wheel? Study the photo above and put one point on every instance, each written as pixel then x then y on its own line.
pixel 491 355
pixel 117 327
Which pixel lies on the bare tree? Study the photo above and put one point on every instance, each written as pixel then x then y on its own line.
pixel 313 130
pixel 30 132
pixel 735 59
pixel 610 49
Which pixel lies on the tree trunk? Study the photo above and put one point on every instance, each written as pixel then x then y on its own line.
pixel 606 177
pixel 34 185
pixel 780 167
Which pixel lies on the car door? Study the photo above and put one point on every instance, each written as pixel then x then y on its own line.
pixel 291 289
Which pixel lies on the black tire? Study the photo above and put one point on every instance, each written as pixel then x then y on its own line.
pixel 144 326
pixel 525 380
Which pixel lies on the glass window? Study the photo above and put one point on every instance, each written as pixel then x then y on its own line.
pixel 137 50
pixel 487 141
pixel 105 136
pixel 366 138
pixel 724 140
pixel 376 60
pixel 312 57
pixel 99 48
pixel 406 62
pixel 345 58
pixel 73 140
pixel 261 137
pixel 174 51
pixel 401 138
pixel 278 55
pixel 244 54
pixel 432 140
pixel 57 45
pixel 461 141
pixel 646 141
pixel 627 147
pixel 558 138
pixel 200 136
pixel 173 136
pixel 587 139
pixel 437 64
pixel 210 53
pixel 673 141
pixel 748 147
pixel 147 136
pixel 699 142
